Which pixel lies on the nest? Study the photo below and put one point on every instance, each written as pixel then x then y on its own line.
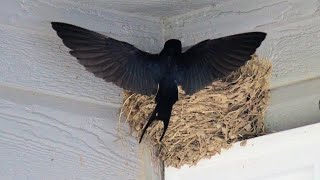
pixel 230 110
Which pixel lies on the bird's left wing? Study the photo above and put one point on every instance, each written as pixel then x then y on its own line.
pixel 213 59
pixel 112 60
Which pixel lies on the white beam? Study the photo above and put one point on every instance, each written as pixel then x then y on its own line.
pixel 288 155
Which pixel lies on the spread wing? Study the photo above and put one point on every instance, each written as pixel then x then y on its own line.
pixel 114 61
pixel 213 59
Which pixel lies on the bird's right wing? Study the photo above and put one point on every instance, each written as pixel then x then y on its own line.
pixel 213 59
pixel 112 60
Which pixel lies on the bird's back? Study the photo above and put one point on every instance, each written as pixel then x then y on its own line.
pixel 168 88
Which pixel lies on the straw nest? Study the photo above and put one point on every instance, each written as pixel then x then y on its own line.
pixel 230 110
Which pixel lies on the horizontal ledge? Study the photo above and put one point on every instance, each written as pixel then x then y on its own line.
pixel 265 156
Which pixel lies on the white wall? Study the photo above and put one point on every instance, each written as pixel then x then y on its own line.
pixel 57 120
pixel 292 43
pixel 46 137
pixel 293 28
pixel 51 108
pixel 30 46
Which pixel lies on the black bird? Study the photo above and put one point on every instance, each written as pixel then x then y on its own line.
pixel 148 74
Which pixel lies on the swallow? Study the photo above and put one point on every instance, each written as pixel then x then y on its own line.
pixel 159 74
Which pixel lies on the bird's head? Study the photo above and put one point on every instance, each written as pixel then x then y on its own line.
pixel 172 47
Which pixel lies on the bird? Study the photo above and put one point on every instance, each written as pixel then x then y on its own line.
pixel 159 74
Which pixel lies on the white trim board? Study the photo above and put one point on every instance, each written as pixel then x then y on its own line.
pixel 287 155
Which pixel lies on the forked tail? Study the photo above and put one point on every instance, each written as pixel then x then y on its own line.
pixel 167 96
pixel 162 113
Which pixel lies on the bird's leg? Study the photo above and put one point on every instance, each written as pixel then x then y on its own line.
pixel 151 119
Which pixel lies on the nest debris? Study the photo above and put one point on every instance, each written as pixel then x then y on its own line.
pixel 230 110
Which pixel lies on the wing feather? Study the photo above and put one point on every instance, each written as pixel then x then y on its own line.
pixel 214 59
pixel 112 60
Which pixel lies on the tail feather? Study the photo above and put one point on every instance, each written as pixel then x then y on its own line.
pixel 151 119
pixel 159 113
pixel 167 96
pixel 165 126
